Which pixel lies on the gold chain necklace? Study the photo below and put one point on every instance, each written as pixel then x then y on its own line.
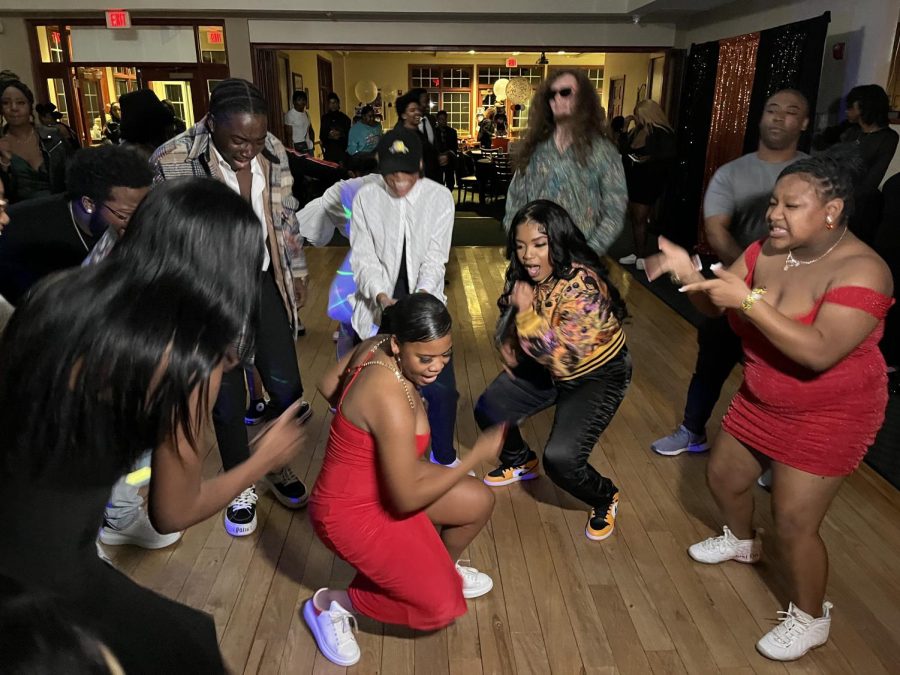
pixel 791 261
pixel 395 371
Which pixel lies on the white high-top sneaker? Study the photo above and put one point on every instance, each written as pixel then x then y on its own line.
pixel 797 633
pixel 726 547
pixel 475 583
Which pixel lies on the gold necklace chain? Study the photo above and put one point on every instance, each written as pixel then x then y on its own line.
pixel 395 371
pixel 791 261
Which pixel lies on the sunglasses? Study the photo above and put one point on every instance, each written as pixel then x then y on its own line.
pixel 565 92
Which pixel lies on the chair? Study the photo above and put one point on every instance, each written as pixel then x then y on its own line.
pixel 503 174
pixel 466 185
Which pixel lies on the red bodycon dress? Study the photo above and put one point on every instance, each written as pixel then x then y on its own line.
pixel 404 574
pixel 821 423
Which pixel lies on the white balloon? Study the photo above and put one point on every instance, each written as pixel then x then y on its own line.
pixel 366 91
pixel 500 88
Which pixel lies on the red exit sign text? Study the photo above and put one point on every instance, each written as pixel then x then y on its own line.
pixel 118 18
pixel 214 37
pixel 512 63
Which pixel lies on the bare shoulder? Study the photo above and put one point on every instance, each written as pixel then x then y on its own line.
pixel 860 265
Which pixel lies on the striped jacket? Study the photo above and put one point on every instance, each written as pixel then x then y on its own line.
pixel 188 154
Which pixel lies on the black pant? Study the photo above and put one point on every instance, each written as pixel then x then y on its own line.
pixel 719 352
pixel 584 408
pixel 276 362
pixel 448 173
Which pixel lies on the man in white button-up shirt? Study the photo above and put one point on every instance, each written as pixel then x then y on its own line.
pixel 399 244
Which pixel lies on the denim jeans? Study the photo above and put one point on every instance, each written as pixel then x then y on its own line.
pixel 276 362
pixel 584 408
pixel 719 352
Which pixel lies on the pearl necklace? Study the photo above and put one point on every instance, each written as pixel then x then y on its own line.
pixel 791 261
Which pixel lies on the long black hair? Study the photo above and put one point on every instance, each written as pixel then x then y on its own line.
pixel 419 317
pixel 567 247
pixel 99 363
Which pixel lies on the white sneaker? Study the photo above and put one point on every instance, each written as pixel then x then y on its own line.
pixel 797 633
pixel 726 547
pixel 452 465
pixel 475 583
pixel 628 260
pixel 765 480
pixel 139 533
pixel 639 264
pixel 333 630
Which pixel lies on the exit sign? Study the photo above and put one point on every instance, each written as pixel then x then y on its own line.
pixel 118 18
pixel 512 63
pixel 214 37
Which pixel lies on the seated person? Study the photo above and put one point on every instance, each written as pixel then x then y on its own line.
pixel 374 473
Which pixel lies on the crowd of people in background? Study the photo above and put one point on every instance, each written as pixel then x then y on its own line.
pixel 157 278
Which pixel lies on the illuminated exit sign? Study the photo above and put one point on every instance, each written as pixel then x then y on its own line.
pixel 512 63
pixel 214 37
pixel 118 18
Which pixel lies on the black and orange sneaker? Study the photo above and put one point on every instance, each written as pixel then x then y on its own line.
pixel 601 525
pixel 505 475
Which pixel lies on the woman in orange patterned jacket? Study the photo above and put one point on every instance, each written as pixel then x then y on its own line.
pixel 565 347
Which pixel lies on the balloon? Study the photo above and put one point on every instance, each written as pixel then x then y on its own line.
pixel 366 91
pixel 500 88
pixel 518 90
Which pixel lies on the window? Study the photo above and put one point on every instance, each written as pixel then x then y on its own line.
pixel 92 99
pixel 487 75
pixel 595 75
pixel 210 85
pixel 175 95
pixel 458 109
pixel 520 115
pixel 449 88
pixel 124 86
pixel 57 89
pixel 212 44
pixel 52 41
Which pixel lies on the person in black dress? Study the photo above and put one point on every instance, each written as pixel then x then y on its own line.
pixel 98 364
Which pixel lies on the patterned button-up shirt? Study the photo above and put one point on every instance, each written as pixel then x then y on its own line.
pixel 189 154
pixel 594 195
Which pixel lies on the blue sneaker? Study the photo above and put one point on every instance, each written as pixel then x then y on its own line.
pixel 683 440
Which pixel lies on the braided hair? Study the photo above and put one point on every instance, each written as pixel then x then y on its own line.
pixel 831 174
pixel 235 95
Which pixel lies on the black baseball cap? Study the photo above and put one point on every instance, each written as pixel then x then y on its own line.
pixel 400 149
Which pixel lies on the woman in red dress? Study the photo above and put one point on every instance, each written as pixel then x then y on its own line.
pixel 809 304
pixel 376 502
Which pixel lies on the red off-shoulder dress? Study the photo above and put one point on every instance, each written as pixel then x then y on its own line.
pixel 822 423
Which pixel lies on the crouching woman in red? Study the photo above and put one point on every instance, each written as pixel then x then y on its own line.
pixel 376 501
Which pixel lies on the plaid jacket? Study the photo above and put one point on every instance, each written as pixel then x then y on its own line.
pixel 188 154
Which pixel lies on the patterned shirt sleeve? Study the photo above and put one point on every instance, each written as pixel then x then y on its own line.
pixel 610 216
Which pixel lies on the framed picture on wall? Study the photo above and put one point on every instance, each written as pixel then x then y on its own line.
pixel 298 81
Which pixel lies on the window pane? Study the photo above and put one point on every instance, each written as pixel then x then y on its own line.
pixel 52 43
pixel 456 78
pixel 212 44
pixel 57 89
pixel 457 105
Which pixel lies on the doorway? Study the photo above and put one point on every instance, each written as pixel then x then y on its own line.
pixel 326 82
pixel 616 96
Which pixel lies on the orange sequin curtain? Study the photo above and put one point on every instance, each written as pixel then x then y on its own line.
pixel 731 104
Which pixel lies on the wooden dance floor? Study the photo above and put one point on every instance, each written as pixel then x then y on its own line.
pixel 561 604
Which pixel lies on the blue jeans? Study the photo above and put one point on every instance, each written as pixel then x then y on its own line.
pixel 719 352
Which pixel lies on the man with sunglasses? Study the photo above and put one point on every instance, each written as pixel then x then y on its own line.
pixel 105 186
pixel 565 157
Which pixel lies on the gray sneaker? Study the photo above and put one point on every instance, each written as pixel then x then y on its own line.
pixel 683 440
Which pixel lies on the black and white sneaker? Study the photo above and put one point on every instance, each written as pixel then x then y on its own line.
pixel 240 516
pixel 287 488
pixel 256 411
pixel 305 412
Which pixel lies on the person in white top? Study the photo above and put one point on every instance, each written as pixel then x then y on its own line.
pixel 298 129
pixel 400 235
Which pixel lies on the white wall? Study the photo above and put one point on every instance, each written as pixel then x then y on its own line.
pixel 529 36
pixel 237 41
pixel 15 54
pixel 866 26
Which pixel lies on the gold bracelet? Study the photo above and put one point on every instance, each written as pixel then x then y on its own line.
pixel 755 295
